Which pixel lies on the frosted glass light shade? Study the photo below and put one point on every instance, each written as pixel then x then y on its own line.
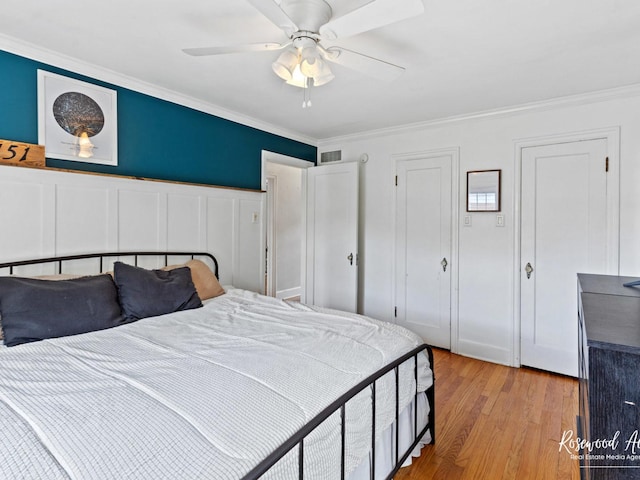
pixel 298 79
pixel 323 75
pixel 285 65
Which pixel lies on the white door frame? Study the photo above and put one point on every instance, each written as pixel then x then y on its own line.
pixel 612 136
pixel 273 157
pixel 454 152
pixel 270 216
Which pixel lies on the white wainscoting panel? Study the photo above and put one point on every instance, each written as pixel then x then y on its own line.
pixel 139 220
pixel 185 223
pixel 22 220
pixel 80 214
pixel 248 254
pixel 46 213
pixel 220 234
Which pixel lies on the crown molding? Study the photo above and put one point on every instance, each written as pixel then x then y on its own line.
pixel 569 100
pixel 40 54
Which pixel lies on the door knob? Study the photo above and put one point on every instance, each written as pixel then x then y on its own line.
pixel 444 264
pixel 529 269
pixel 350 258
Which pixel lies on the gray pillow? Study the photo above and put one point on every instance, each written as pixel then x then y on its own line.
pixel 33 309
pixel 148 293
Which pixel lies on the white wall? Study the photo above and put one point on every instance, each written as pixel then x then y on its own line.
pixel 45 213
pixel 486 252
pixel 288 228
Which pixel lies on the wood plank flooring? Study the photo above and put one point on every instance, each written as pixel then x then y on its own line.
pixel 497 422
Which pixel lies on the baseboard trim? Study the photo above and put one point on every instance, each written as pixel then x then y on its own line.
pixel 483 351
pixel 289 293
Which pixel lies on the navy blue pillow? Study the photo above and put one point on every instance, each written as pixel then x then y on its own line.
pixel 34 309
pixel 148 293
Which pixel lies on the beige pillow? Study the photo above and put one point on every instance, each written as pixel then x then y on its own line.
pixel 206 283
pixel 58 276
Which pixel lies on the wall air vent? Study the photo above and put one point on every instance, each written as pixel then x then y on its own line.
pixel 331 157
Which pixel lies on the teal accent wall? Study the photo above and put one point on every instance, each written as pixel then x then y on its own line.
pixel 156 138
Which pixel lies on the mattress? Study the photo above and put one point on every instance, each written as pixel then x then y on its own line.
pixel 203 393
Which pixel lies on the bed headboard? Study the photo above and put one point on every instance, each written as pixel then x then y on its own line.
pixel 104 258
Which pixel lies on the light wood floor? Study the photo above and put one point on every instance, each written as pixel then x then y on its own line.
pixel 497 422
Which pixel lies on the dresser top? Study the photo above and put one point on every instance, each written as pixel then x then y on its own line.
pixel 607 284
pixel 611 312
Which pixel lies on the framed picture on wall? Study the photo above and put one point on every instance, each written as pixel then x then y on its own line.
pixel 77 120
pixel 483 190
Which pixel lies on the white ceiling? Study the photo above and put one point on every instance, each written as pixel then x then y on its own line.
pixel 461 56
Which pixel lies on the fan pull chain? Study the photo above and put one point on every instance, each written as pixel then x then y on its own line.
pixel 306 94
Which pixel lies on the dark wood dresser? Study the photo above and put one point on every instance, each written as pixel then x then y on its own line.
pixel 609 383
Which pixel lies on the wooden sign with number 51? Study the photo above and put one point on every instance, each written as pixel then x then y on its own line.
pixel 17 153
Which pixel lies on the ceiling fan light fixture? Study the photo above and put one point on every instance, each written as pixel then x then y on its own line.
pixel 298 79
pixel 330 53
pixel 310 61
pixel 322 80
pixel 322 73
pixel 286 64
pixel 309 69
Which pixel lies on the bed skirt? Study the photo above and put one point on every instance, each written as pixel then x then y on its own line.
pixel 385 446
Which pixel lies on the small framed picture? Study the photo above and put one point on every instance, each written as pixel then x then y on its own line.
pixel 77 121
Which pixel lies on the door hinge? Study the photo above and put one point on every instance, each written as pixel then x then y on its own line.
pixel 395 312
pixel 606 168
pixel 396 180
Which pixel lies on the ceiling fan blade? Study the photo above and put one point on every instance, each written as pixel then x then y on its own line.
pixel 374 14
pixel 252 47
pixel 271 9
pixel 370 66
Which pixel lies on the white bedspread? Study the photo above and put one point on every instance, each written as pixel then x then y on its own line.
pixel 201 394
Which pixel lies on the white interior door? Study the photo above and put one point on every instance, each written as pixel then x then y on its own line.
pixel 563 232
pixel 423 247
pixel 332 236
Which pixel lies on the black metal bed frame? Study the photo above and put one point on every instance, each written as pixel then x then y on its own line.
pixel 339 404
pixel 297 440
pixel 101 256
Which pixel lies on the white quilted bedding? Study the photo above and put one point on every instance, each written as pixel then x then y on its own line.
pixel 200 394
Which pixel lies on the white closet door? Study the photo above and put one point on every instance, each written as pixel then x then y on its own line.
pixel 423 248
pixel 563 232
pixel 332 236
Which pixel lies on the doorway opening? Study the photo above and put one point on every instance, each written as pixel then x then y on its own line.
pixel 282 180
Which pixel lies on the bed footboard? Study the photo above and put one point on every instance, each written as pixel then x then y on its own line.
pixel 297 440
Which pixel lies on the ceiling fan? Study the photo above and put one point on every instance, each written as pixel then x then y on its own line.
pixel 306 23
